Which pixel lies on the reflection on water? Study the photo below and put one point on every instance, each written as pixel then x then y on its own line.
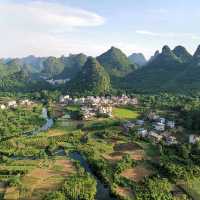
pixel 49 123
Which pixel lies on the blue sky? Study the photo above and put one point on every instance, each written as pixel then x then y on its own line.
pixel 60 27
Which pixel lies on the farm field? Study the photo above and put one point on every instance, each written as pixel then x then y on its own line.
pixel 137 173
pixel 48 175
pixel 126 113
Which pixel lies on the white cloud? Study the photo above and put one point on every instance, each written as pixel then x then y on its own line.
pixel 38 26
pixel 38 13
pixel 145 32
pixel 192 36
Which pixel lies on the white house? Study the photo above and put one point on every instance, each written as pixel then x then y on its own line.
pixel 140 122
pixel 170 124
pixel 105 110
pixel 153 116
pixel 142 132
pixel 2 107
pixel 194 139
pixel 159 126
pixel 61 99
pixel 162 120
pixel 26 102
pixel 12 104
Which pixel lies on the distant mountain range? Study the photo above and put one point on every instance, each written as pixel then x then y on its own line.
pixel 138 59
pixel 171 71
pixel 166 71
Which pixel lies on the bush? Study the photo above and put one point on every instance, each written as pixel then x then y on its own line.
pixel 14 181
pixel 54 196
pixel 80 187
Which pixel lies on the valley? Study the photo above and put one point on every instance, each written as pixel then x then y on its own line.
pixel 109 152
pixel 99 100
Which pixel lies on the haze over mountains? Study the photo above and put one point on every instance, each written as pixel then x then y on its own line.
pixel 138 59
pixel 168 71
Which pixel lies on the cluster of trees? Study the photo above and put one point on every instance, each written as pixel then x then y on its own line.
pixel 18 121
pixel 192 119
pixel 124 163
pixel 75 187
pixel 180 161
pixel 155 189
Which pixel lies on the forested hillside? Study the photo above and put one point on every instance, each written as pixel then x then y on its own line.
pixel 92 79
pixel 168 71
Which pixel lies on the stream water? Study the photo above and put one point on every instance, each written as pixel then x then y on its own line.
pixel 102 191
pixel 49 123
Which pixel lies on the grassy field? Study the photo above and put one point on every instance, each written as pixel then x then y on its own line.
pixel 125 113
pixel 192 186
pixel 150 150
pixel 72 108
pixel 66 125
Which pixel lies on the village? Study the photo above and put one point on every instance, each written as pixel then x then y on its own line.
pixel 14 104
pixel 98 106
pixel 159 129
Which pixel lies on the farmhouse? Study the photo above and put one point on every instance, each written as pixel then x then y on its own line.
pixel 194 139
pixel 58 81
pixel 105 110
pixel 140 122
pixel 170 124
pixel 159 126
pixel 12 104
pixel 162 120
pixel 26 102
pixel 155 137
pixel 128 126
pixel 65 99
pixel 152 116
pixel 142 132
pixel 87 113
pixel 2 107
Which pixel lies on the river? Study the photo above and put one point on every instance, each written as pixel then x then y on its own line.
pixel 103 192
pixel 49 123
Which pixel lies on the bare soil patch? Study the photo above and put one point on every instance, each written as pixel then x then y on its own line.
pixel 138 155
pixel 137 173
pixel 126 147
pixel 125 192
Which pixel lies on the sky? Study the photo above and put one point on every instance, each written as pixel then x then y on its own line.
pixel 61 27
